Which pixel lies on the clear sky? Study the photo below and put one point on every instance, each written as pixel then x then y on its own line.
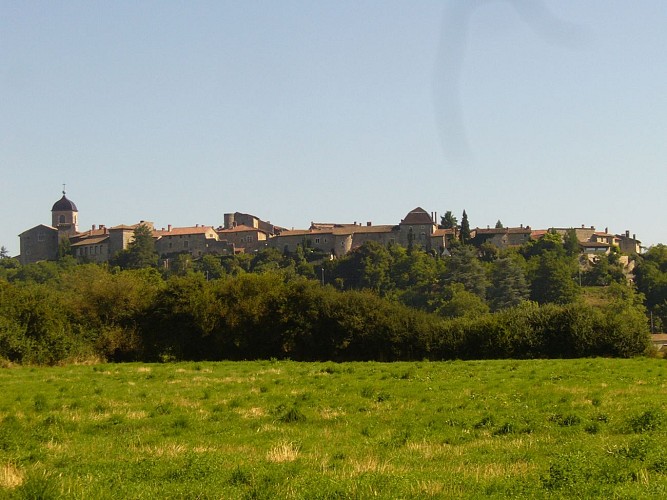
pixel 546 113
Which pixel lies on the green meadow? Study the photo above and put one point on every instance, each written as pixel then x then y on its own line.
pixel 281 429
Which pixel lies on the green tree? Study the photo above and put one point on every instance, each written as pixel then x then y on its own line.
pixel 448 221
pixel 464 267
pixel 458 302
pixel 553 280
pixel 499 225
pixel 571 243
pixel 509 287
pixel 651 279
pixel 367 267
pixel 488 252
pixel 4 253
pixel 64 248
pixel 465 228
pixel 140 252
pixel 602 272
pixel 210 267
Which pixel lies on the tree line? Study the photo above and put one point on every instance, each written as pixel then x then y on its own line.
pixel 382 303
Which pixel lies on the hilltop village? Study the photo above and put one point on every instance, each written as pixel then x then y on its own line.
pixel 244 233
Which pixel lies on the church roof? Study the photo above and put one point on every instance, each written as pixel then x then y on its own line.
pixel 417 216
pixel 64 205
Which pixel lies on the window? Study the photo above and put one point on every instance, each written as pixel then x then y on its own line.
pixel 61 219
pixel 317 240
pixel 40 236
pixel 186 244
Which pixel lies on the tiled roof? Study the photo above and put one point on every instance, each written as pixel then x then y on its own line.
pixel 438 233
pixel 504 230
pixel 330 225
pixel 304 232
pixel 182 231
pixel 91 232
pixel 91 240
pixel 239 229
pixel 385 228
pixel 417 216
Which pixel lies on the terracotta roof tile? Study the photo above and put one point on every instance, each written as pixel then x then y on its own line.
pixel 91 240
pixel 239 229
pixel 417 216
pixel 182 231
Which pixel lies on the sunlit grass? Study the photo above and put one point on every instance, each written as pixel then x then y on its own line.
pixel 267 429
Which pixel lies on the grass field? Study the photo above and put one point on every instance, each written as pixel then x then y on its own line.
pixel 273 429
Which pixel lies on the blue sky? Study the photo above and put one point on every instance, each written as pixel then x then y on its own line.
pixel 546 113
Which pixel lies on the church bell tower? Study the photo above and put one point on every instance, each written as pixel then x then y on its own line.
pixel 64 217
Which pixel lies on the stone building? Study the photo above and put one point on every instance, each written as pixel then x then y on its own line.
pixel 336 239
pixel 196 241
pixel 42 242
pixel 502 237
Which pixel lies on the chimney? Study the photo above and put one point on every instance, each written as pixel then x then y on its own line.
pixel 521 226
pixel 582 226
pixel 634 236
pixel 169 228
pixel 627 233
pixel 606 230
pixel 369 224
pixel 94 227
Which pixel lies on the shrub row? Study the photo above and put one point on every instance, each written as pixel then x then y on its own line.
pixel 133 315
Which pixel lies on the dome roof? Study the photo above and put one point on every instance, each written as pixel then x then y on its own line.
pixel 64 205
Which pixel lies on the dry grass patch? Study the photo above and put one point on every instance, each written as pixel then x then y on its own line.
pixel 11 476
pixel 270 371
pixel 331 413
pixel 435 450
pixel 368 464
pixel 437 489
pixel 268 428
pixel 169 450
pixel 494 470
pixel 136 415
pixel 144 369
pixel 254 412
pixel 283 452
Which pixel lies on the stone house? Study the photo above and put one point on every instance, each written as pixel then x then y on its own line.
pixel 417 228
pixel 339 239
pixel 41 242
pixel 503 237
pixel 243 238
pixel 197 241
pixel 38 243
